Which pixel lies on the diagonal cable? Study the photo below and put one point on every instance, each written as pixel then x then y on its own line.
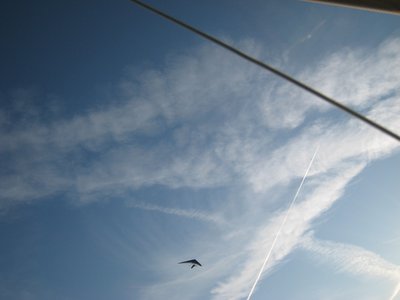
pixel 271 69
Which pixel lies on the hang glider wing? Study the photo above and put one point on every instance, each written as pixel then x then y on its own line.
pixel 193 262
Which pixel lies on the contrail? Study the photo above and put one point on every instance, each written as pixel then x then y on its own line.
pixel 282 224
pixel 395 293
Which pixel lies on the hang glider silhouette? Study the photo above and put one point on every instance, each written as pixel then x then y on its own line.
pixel 193 262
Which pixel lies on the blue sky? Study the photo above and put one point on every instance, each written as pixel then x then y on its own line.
pixel 127 145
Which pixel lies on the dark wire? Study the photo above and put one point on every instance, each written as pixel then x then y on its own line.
pixel 271 69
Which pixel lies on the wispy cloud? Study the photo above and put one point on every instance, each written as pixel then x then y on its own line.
pixel 167 129
pixel 318 201
pixel 358 77
pixel 186 213
pixel 352 259
pixel 333 172
pixel 244 129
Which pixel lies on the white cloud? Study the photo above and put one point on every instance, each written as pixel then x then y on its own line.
pixel 206 120
pixel 357 77
pixel 345 150
pixel 299 221
pixel 187 213
pixel 352 259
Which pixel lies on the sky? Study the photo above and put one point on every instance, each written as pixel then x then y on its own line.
pixel 128 144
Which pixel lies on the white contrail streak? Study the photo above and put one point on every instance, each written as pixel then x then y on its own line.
pixel 395 292
pixel 282 224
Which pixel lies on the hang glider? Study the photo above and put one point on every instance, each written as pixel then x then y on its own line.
pixel 193 262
